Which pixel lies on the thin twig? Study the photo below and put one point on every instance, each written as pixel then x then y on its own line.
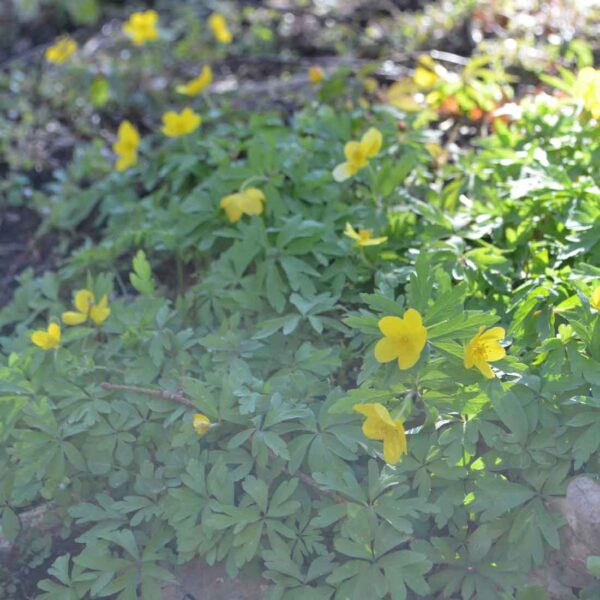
pixel 164 394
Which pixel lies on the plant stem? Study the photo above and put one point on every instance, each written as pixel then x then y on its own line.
pixel 164 394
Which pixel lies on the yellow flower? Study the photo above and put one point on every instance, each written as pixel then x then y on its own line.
pixel 595 299
pixel 404 339
pixel 218 26
pixel 195 86
pixel 358 154
pixel 484 348
pixel 315 74
pixel 248 202
pixel 201 424
pixel 87 308
pixel 363 236
pixel 141 27
pixel 61 50
pixel 48 339
pixel 587 89
pixel 126 146
pixel 380 426
pixel 177 124
pixel 425 76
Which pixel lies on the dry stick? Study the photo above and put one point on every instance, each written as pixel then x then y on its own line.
pixel 164 394
pixel 181 399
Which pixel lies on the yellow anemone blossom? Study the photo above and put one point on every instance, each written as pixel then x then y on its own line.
pixel 61 50
pixel 218 26
pixel 247 202
pixel 196 85
pixel 315 74
pixel 362 237
pixel 484 348
pixel 425 75
pixel 126 146
pixel 201 424
pixel 141 27
pixel 380 426
pixel 183 123
pixel 87 308
pixel 404 339
pixel 358 154
pixel 46 340
pixel 587 89
pixel 595 299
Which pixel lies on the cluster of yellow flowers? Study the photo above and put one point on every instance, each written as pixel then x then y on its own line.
pixel 403 340
pixel 86 309
pixel 142 27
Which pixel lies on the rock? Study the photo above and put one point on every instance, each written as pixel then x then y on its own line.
pixel 198 581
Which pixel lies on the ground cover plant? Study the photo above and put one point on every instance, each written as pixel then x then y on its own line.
pixel 337 331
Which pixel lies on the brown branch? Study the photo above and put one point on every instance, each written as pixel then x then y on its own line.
pixel 164 394
pixel 310 482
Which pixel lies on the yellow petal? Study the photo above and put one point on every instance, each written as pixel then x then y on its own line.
pixel 54 332
pixel 493 334
pixel 408 355
pixel 485 369
pixel 385 350
pixel 373 429
pixel 100 312
pixel 84 300
pixel 494 351
pixel 370 143
pixel 252 201
pixel 382 413
pixel 412 318
pixel 41 339
pixel 391 326
pixel 394 445
pixel 74 318
pixel 367 409
pixel 351 232
pixel 343 171
pixel 374 241
pixel 125 161
pixel 595 299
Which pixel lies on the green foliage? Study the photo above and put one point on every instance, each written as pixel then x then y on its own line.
pixel 267 326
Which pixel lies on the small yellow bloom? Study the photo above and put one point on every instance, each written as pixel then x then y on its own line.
pixel 48 339
pixel 358 154
pixel 425 75
pixel 587 89
pixel 126 146
pixel 315 74
pixel 87 308
pixel 404 339
pixel 484 348
pixel 183 123
pixel 195 86
pixel 363 236
pixel 595 299
pixel 218 26
pixel 380 426
pixel 370 84
pixel 201 424
pixel 141 27
pixel 61 50
pixel 248 202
